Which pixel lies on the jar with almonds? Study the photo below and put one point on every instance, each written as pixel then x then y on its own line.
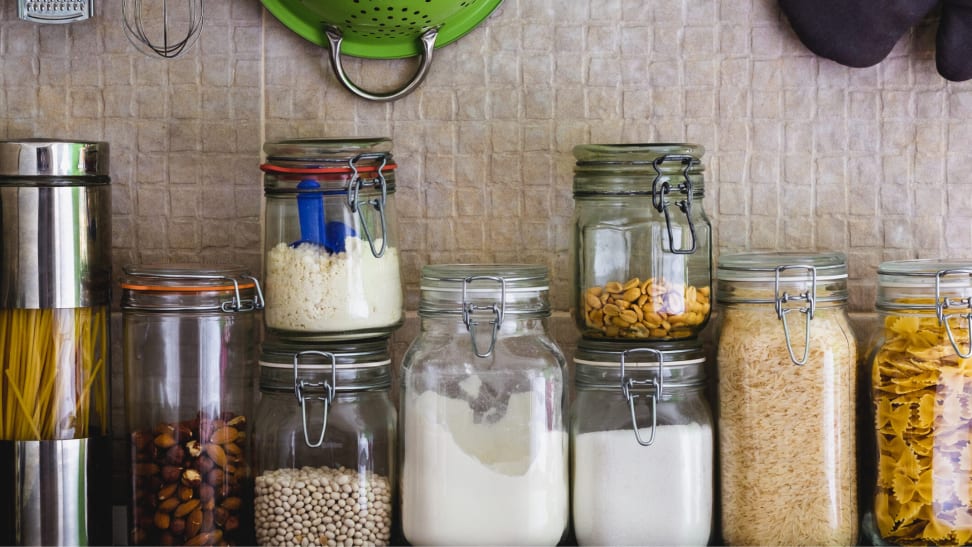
pixel 919 456
pixel 188 335
pixel 641 245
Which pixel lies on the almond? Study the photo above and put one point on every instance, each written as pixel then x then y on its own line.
pixel 186 508
pixel 225 434
pixel 165 440
pixel 217 454
pixel 193 523
pixel 191 478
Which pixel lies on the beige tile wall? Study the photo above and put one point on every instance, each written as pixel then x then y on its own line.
pixel 802 153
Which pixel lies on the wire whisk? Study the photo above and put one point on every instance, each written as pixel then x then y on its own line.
pixel 168 39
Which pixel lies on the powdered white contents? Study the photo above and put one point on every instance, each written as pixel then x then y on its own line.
pixel 628 494
pixel 310 290
pixel 502 483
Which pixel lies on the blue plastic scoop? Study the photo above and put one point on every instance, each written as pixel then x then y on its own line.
pixel 313 226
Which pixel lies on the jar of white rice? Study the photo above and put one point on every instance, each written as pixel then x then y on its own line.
pixel 332 266
pixel 787 374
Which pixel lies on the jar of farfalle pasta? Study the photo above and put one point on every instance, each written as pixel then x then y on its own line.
pixel 921 388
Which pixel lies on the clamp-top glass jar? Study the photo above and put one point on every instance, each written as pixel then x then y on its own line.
pixel 641 434
pixel 921 395
pixel 484 440
pixel 641 242
pixel 325 432
pixel 787 400
pixel 332 266
pixel 190 356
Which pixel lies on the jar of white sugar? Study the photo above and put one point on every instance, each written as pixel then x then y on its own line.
pixel 787 400
pixel 642 444
pixel 484 440
pixel 325 444
pixel 641 243
pixel 332 267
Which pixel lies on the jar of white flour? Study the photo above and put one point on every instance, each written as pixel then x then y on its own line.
pixel 332 267
pixel 484 440
pixel 641 431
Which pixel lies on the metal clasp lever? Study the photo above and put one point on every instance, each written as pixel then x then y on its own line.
pixel 809 297
pixel 327 396
pixel 354 188
pixel 942 304
pixel 468 309
pixel 656 384
pixel 660 189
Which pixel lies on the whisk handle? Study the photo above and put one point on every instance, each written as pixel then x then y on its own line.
pixel 428 44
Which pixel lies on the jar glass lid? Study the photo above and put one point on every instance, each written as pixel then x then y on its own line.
pixel 765 277
pixel 924 284
pixel 455 288
pixel 311 150
pixel 635 152
pixel 190 287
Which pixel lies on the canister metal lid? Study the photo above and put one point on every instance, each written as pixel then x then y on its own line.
pixel 53 158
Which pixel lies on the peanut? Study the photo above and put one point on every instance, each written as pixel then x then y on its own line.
pixel 653 308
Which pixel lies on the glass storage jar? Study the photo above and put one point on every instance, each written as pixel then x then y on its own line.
pixel 641 243
pixel 189 357
pixel 641 435
pixel 324 444
pixel 921 405
pixel 332 266
pixel 484 439
pixel 787 386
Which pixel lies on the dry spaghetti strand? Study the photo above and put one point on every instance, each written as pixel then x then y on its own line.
pixel 54 373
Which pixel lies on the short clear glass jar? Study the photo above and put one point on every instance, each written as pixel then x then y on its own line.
pixel 189 357
pixel 642 243
pixel 325 444
pixel 484 438
pixel 332 264
pixel 641 444
pixel 787 400
pixel 921 405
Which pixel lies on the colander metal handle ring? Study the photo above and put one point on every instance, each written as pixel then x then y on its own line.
pixel 428 44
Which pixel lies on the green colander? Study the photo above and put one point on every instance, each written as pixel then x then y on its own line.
pixel 381 29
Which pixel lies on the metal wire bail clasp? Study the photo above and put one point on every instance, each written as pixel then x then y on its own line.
pixel 354 188
pixel 497 310
pixel 657 385
pixel 660 188
pixel 809 297
pixel 942 304
pixel 326 395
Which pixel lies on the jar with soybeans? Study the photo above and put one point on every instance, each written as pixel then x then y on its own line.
pixel 642 243
pixel 918 469
pixel 325 445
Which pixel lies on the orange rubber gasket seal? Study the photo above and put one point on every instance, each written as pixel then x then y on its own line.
pixel 169 288
pixel 269 168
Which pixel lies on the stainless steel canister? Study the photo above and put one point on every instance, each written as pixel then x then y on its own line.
pixel 55 272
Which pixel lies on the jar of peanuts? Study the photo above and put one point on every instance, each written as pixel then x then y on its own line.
pixel 325 449
pixel 917 458
pixel 642 242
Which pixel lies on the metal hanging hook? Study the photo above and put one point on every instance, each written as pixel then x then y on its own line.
pixel 327 398
pixel 657 384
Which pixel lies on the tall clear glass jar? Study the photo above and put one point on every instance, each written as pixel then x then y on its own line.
pixel 484 439
pixel 642 243
pixel 332 265
pixel 787 400
pixel 189 354
pixel 325 444
pixel 642 445
pixel 921 405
